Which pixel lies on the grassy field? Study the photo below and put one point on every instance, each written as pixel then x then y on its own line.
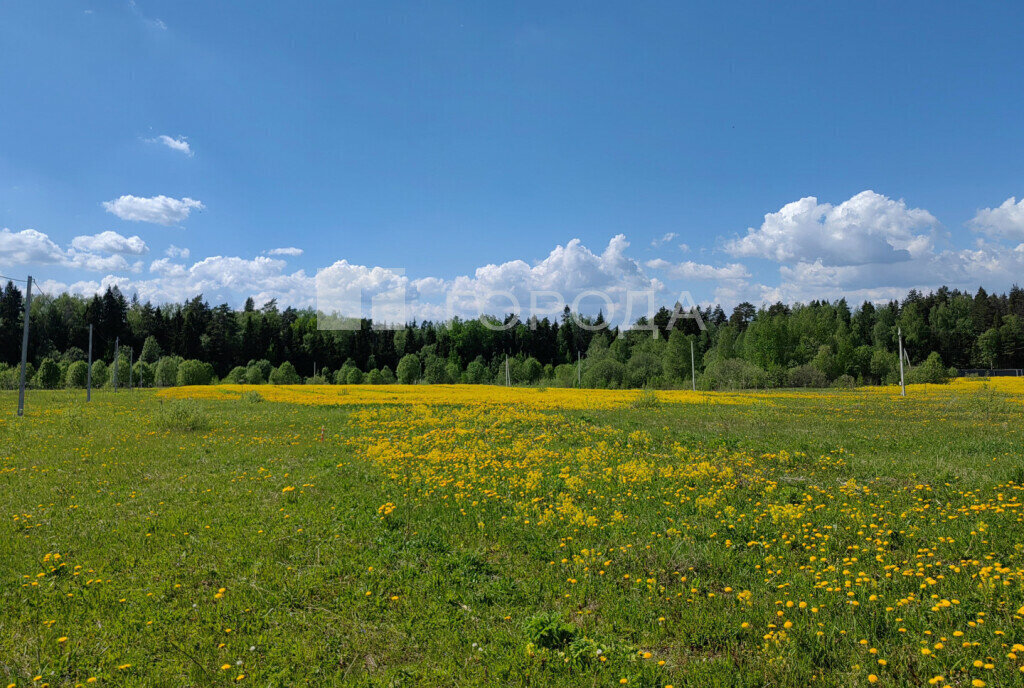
pixel 390 536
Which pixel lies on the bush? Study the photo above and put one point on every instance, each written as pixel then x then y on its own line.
pixel 122 372
pixel 605 373
pixel 844 382
pixel 409 370
pixel 373 377
pixel 193 372
pixel 100 373
pixel 386 376
pixel 354 377
pixel 285 374
pixel 931 371
pixel 251 397
pixel 733 373
pixel 166 372
pixel 236 376
pixel 77 375
pixel 182 414
pixel 806 376
pixel 48 375
pixel 143 373
pixel 9 376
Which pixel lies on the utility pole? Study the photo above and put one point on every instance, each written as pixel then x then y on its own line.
pixel 88 374
pixel 693 368
pixel 131 360
pixel 579 370
pixel 117 351
pixel 903 385
pixel 508 378
pixel 24 347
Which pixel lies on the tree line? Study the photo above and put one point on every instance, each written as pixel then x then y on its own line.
pixel 813 344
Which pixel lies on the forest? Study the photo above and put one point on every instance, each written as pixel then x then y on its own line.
pixel 816 344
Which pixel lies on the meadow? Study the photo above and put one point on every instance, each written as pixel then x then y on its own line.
pixel 475 535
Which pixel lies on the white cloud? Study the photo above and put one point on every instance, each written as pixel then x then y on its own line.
pixel 173 251
pixel 27 247
pixel 664 239
pixel 1004 222
pixel 287 251
pixel 689 270
pixel 160 210
pixel 868 228
pixel 179 143
pixel 110 242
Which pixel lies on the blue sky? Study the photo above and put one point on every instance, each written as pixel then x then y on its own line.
pixel 486 147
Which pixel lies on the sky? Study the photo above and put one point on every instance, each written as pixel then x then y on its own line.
pixel 732 151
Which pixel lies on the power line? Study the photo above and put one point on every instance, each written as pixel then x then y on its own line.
pixel 13 279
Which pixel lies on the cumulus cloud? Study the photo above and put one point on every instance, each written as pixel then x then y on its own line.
pixel 689 270
pixel 28 247
pixel 179 143
pixel 287 251
pixel 110 242
pixel 98 253
pixel 868 228
pixel 1004 222
pixel 161 210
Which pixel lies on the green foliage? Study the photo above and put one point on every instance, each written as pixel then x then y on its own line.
pixel 386 376
pixel 194 373
pixel 236 376
pixel 806 376
pixel 144 374
pixel 76 375
pixel 100 374
pixel 931 371
pixel 548 630
pixel 181 414
pixel 409 369
pixel 48 375
pixel 251 397
pixel 373 377
pixel 354 376
pixel 166 374
pixel 150 350
pixel 733 373
pixel 285 374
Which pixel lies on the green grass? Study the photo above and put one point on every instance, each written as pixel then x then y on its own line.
pixel 154 508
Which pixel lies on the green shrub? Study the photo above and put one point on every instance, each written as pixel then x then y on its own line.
pixel 285 374
pixel 931 371
pixel 236 376
pixel 182 414
pixel 166 374
pixel 733 373
pixel 77 375
pixel 409 370
pixel 48 375
pixel 143 373
pixel 193 372
pixel 806 376
pixel 251 397
pixel 845 382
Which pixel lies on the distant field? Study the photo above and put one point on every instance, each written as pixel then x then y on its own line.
pixel 472 535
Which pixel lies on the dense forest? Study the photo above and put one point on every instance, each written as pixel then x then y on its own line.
pixel 815 344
